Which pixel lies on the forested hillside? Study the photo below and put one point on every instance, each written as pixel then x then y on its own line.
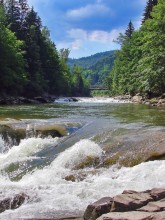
pixel 98 74
pixel 30 64
pixel 140 64
pixel 95 68
pixel 87 62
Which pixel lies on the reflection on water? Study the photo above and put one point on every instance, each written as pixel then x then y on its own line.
pixel 126 112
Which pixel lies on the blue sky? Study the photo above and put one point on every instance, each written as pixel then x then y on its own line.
pixel 88 26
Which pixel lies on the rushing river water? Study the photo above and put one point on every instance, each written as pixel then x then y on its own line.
pixel 41 145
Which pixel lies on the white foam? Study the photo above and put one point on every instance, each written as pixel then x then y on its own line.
pixel 102 100
pixel 26 148
pixel 58 196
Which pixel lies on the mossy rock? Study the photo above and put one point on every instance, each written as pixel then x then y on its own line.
pixel 89 161
pixel 153 101
pixel 156 156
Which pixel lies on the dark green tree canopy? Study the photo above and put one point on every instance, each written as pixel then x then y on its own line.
pixel 148 9
pixel 130 29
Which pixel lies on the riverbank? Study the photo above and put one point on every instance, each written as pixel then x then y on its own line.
pixel 156 101
pixel 35 100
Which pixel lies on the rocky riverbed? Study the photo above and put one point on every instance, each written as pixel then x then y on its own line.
pixel 130 205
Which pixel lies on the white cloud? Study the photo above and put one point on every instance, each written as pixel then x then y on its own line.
pixel 77 34
pixel 88 11
pixel 76 45
pixel 94 36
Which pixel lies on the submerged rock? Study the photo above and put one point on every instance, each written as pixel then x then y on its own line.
pixel 12 203
pixel 129 205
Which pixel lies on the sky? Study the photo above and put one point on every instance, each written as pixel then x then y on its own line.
pixel 87 27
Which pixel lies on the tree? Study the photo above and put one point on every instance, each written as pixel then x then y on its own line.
pixel 130 29
pixel 13 15
pixel 148 9
pixel 33 35
pixel 12 64
pixel 152 62
pixel 50 64
pixel 121 72
pixel 64 54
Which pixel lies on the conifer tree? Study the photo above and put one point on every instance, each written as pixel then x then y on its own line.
pixel 148 9
pixel 12 65
pixel 130 29
pixel 13 15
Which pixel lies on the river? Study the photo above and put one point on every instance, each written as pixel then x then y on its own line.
pixel 42 147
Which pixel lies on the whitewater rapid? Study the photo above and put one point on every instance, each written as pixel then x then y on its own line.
pixel 53 196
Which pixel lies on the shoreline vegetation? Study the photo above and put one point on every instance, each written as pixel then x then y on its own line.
pixel 155 101
pixel 37 66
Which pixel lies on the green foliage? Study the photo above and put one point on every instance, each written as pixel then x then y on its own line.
pixel 140 64
pixel 80 85
pixel 12 72
pixel 87 62
pixel 98 74
pixel 148 9
pixel 31 64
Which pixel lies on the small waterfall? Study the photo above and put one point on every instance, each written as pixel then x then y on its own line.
pixel 30 132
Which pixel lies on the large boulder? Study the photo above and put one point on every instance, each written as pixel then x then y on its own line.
pixel 127 216
pixel 98 208
pixel 130 201
pixel 137 99
pixel 130 205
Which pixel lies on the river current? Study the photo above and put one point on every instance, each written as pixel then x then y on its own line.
pixel 36 161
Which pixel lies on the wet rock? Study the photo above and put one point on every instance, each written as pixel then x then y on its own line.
pixel 161 101
pixel 131 205
pixel 159 216
pixel 137 98
pixel 72 99
pixel 98 208
pixel 3 102
pixel 156 156
pixel 76 178
pixel 154 206
pixel 157 193
pixel 12 203
pixel 42 99
pixel 127 216
pixel 129 202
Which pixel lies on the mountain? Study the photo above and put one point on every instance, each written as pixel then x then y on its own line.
pixel 87 62
pixel 98 73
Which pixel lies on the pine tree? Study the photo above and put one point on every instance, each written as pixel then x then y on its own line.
pixel 13 15
pixel 130 29
pixel 12 64
pixel 148 10
pixel 32 46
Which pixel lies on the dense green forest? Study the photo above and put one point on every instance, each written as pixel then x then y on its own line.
pixel 89 61
pixel 140 64
pixel 30 64
pixel 96 68
pixel 98 74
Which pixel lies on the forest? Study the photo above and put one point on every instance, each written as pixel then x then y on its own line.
pixel 140 64
pixel 30 64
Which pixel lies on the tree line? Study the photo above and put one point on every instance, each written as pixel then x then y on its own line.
pixel 140 64
pixel 30 64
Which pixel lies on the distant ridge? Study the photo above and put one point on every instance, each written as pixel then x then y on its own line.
pixel 87 62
